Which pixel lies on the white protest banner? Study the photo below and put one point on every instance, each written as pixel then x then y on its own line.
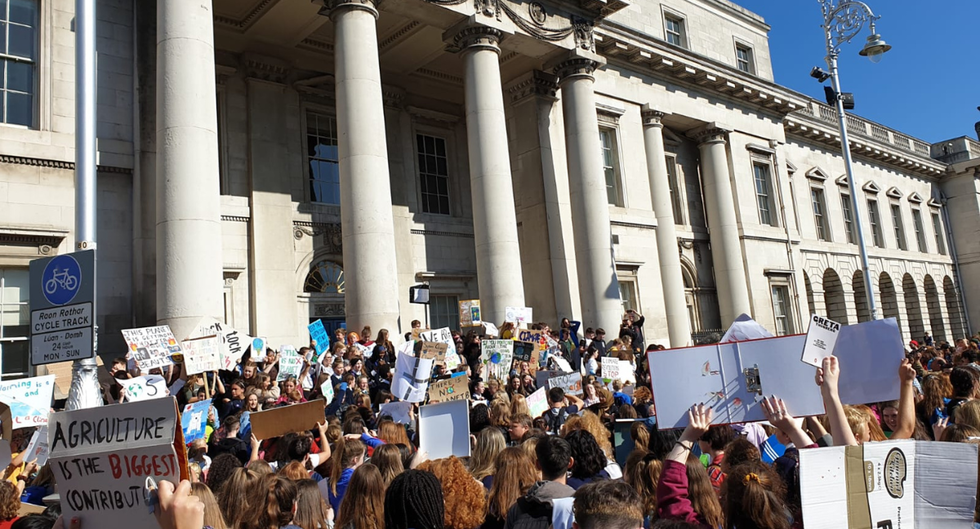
pixel 626 372
pixel 326 389
pixel 234 343
pixel 29 400
pixel 522 316
pixel 363 351
pixel 37 449
pixel 821 337
pixel 443 335
pixel 571 383
pixel 562 364
pixel 889 484
pixel 411 379
pixel 151 347
pixel 407 348
pixel 444 429
pixel 610 368
pixel 201 355
pixel 537 402
pixel 102 456
pixel 490 329
pixel 290 363
pixel 208 326
pixel 400 412
pixel 498 355
pixel 145 387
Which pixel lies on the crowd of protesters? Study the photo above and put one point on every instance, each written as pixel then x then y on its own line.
pixel 558 469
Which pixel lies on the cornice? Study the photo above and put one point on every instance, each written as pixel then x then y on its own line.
pixel 59 164
pixel 242 25
pixel 535 83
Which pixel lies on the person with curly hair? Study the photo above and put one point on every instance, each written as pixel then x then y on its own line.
pixel 363 504
pixel 9 504
pixel 588 460
pixel 414 500
pixel 464 497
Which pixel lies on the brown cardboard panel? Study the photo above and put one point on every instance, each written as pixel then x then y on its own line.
pixel 280 421
pixel 456 388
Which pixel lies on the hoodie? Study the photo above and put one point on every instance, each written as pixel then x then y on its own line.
pixel 535 509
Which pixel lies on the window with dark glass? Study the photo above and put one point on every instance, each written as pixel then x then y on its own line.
pixel 763 194
pixel 920 234
pixel 875 219
pixel 321 143
pixel 433 173
pixel 846 212
pixel 820 214
pixel 18 61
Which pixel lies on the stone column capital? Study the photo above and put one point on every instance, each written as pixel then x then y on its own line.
pixel 711 133
pixel 330 7
pixel 652 117
pixel 578 64
pixel 532 85
pixel 471 35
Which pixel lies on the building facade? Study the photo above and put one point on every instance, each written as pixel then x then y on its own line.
pixel 271 162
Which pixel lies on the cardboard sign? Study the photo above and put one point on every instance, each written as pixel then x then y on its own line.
pixel 416 334
pixel 571 383
pixel 102 456
pixel 319 337
pixel 469 313
pixel 890 484
pixel 455 388
pixel 194 420
pixel 144 388
pixel 537 402
pixel 287 419
pixel 522 316
pixel 821 337
pixel 610 368
pixel 37 449
pixel 435 351
pixel 29 400
pixel 400 411
pixel 498 355
pixel 535 337
pixel 444 429
pixel 443 335
pixel 290 363
pixel 151 347
pixel 201 355
pixel 733 377
pixel 411 379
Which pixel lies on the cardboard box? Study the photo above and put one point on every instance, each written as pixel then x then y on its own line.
pixel 287 419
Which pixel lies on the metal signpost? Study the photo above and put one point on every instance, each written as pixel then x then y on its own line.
pixel 63 308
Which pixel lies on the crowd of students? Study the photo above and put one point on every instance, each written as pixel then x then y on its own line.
pixel 361 470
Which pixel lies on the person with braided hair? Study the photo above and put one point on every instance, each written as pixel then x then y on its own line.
pixel 414 501
pixel 754 497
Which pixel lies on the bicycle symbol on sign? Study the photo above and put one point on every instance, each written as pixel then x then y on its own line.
pixel 62 278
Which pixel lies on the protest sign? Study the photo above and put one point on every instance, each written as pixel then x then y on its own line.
pixel 144 388
pixel 535 337
pixel 151 347
pixel 526 352
pixel 542 377
pixel 561 364
pixel 890 484
pixel 444 429
pixel 29 400
pixel 201 355
pixel 416 333
pixel 469 313
pixel 363 351
pixel 234 343
pixel 194 420
pixel 326 389
pixel 400 411
pixel 290 363
pixel 207 326
pixel 498 355
pixel 610 368
pixel 455 388
pixel 407 348
pixel 627 373
pixel 287 419
pixel 733 377
pixel 443 335
pixel 258 348
pixel 102 456
pixel 435 351
pixel 522 316
pixel 821 337
pixel 744 328
pixel 37 449
pixel 571 383
pixel 319 337
pixel 411 379
pixel 537 402
pixel 490 329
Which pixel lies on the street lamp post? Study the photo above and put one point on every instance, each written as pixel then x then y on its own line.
pixel 841 23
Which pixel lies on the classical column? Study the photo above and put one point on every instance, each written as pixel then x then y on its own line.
pixel 678 324
pixel 726 248
pixel 370 273
pixel 498 257
pixel 598 286
pixel 188 221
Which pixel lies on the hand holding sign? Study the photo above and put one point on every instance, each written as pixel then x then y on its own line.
pixel 821 338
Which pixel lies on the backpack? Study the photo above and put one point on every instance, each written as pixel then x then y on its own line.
pixel 530 515
pixel 555 421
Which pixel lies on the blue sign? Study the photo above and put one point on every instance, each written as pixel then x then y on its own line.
pixel 194 420
pixel 61 278
pixel 319 336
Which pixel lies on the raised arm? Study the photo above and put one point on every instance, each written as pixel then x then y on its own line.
pixel 906 403
pixel 827 378
pixel 778 416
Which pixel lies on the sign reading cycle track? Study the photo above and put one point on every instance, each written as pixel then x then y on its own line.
pixel 63 308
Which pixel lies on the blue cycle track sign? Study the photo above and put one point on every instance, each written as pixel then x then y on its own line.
pixel 63 308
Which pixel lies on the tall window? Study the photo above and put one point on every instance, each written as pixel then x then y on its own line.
pixel 610 165
pixel 763 194
pixel 321 145
pixel 820 213
pixel 899 227
pixel 743 58
pixel 875 219
pixel 14 323
pixel 781 310
pixel 674 30
pixel 433 173
pixel 845 207
pixel 675 190
pixel 920 235
pixel 18 57
pixel 627 295
pixel 444 312
pixel 937 228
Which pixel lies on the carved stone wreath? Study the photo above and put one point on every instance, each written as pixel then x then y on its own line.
pixel 537 13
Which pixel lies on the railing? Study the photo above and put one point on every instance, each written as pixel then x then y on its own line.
pixel 861 127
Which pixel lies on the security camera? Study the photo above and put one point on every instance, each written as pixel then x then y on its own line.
pixel 818 74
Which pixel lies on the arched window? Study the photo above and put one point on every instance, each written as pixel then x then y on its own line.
pixel 325 277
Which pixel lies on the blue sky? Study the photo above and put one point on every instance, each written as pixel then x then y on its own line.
pixel 928 85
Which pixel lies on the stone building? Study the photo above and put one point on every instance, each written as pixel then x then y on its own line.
pixel 270 162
